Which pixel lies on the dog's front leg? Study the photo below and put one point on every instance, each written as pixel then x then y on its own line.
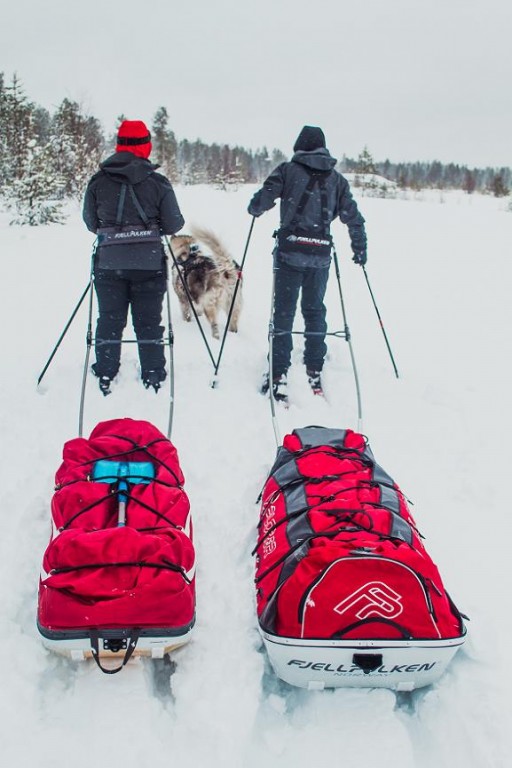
pixel 185 311
pixel 210 311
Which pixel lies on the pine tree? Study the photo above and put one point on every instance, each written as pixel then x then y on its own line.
pixel 262 164
pixel 78 143
pixel 365 172
pixel 164 144
pixel 497 186
pixel 17 130
pixel 365 163
pixel 469 183
pixel 198 173
pixel 214 167
pixel 32 194
pixel 3 138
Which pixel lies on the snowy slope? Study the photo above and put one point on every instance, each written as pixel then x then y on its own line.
pixel 441 274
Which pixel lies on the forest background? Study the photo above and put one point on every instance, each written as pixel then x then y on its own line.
pixel 46 159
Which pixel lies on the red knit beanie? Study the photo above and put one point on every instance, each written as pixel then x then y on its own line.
pixel 133 136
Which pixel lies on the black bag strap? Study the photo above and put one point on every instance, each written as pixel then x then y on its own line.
pixel 140 209
pixel 95 649
pixel 314 179
pixel 120 206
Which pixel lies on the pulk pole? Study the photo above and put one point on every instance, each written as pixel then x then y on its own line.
pixel 380 321
pixel 87 355
pixel 171 360
pixel 237 284
pixel 89 342
pixel 346 334
pixel 270 363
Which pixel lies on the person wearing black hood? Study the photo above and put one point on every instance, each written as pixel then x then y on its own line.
pixel 130 207
pixel 312 195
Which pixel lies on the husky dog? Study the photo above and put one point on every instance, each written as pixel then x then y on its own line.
pixel 210 278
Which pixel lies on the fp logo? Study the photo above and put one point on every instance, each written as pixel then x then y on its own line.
pixel 372 599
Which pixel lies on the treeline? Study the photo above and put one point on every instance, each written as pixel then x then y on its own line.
pixel 46 158
pixel 434 175
pixel 194 162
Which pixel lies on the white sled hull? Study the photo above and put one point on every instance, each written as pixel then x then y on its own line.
pixel 402 665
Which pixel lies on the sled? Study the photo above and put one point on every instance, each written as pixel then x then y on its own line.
pixel 118 576
pixel 347 594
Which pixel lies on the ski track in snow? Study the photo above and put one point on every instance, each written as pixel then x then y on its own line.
pixel 440 431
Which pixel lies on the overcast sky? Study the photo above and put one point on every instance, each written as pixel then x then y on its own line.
pixel 412 80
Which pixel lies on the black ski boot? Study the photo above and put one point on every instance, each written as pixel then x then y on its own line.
pixel 153 379
pixel 104 382
pixel 315 382
pixel 279 387
pixel 265 384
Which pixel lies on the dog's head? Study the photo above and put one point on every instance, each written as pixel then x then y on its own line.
pixel 184 247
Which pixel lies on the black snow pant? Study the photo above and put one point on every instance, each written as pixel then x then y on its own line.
pixel 289 281
pixel 143 292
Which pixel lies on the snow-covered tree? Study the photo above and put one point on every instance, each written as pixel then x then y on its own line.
pixel 497 186
pixel 164 144
pixel 366 174
pixel 365 162
pixel 78 144
pixel 469 183
pixel 32 195
pixel 17 129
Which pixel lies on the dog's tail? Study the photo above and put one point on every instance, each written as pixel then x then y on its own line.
pixel 219 251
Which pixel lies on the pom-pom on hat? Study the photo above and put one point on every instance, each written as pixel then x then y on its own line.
pixel 133 136
pixel 309 138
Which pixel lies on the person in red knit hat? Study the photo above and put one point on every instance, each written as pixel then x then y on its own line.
pixel 130 206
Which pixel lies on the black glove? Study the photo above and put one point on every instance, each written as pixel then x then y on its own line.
pixel 359 258
pixel 254 214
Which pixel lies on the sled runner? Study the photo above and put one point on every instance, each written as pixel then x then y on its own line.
pixel 347 594
pixel 118 573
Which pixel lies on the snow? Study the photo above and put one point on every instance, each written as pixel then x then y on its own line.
pixel 440 270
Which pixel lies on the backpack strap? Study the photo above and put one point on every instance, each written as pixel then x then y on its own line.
pixel 314 179
pixel 120 206
pixel 138 206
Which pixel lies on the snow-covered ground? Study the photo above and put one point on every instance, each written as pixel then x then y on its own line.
pixel 441 272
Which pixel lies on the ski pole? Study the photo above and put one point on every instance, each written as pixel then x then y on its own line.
pixel 232 306
pixel 190 300
pixel 82 297
pixel 380 321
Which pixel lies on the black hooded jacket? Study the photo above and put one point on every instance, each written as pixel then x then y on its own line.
pixel 289 180
pixel 154 193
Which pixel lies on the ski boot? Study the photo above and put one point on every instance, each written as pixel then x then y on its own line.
pixel 315 382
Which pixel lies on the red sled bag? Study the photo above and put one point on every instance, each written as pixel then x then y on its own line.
pixel 119 571
pixel 341 566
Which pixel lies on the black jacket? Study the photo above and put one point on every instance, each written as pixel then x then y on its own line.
pixel 289 180
pixel 154 193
